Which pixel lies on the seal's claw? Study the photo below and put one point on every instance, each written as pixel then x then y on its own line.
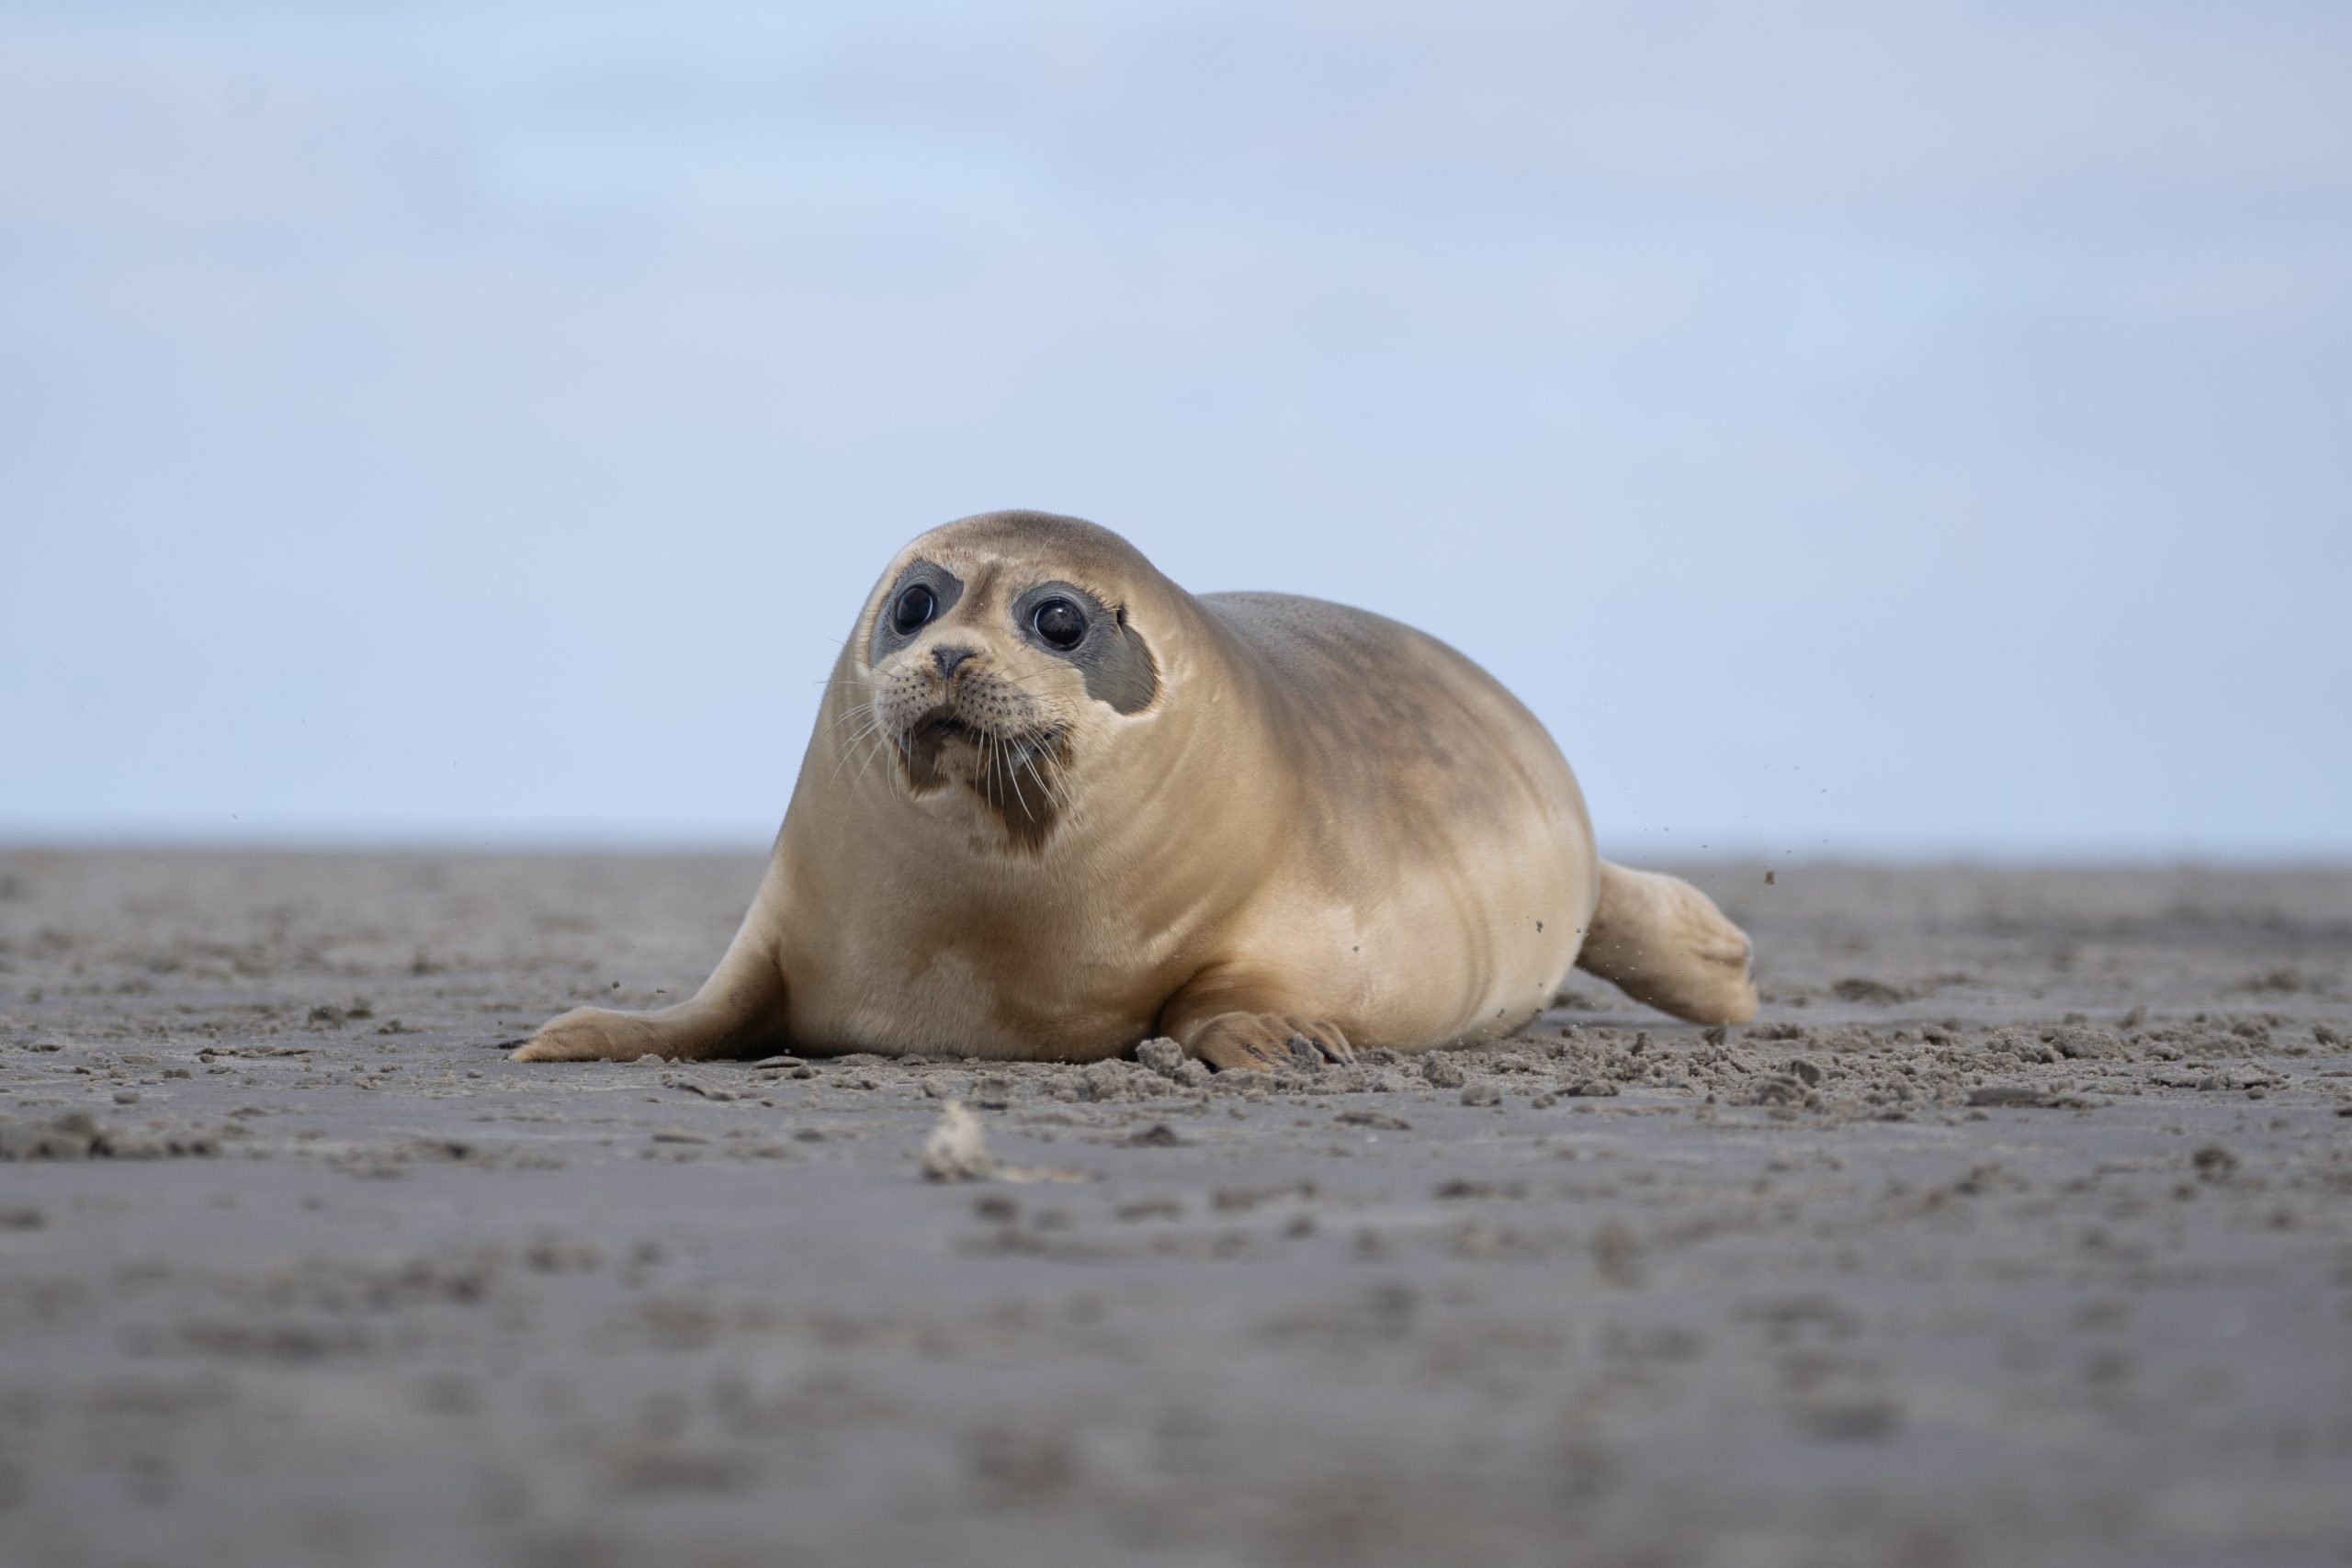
pixel 1266 1043
pixel 1326 1045
pixel 1331 1044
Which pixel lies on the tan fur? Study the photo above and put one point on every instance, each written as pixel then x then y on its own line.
pixel 1325 828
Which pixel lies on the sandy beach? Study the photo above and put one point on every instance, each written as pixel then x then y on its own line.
pixel 2017 1229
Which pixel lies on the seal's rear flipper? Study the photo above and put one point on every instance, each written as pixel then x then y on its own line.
pixel 1662 942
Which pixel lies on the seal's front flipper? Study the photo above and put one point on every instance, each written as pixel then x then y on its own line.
pixel 1266 1042
pixel 1663 942
pixel 595 1034
pixel 739 1010
pixel 1239 1023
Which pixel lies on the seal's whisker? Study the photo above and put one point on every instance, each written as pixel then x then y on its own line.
pixel 870 711
pixel 1029 765
pixel 864 719
pixel 849 750
pixel 1050 775
pixel 1052 789
pixel 1013 775
pixel 866 759
pixel 884 739
pixel 866 724
pixel 856 745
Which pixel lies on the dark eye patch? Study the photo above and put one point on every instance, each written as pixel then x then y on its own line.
pixel 1111 657
pixel 946 587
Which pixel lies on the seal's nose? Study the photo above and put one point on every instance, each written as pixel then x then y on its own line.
pixel 947 659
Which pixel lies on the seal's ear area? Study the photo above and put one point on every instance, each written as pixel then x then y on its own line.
pixel 1069 623
pixel 1118 665
pixel 922 594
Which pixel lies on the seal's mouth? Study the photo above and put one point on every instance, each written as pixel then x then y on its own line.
pixel 938 727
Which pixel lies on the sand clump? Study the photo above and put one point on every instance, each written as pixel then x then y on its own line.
pixel 956 1149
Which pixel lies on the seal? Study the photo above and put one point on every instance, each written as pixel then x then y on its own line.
pixel 1056 805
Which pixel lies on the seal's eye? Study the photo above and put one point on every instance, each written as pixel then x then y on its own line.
pixel 1059 622
pixel 915 606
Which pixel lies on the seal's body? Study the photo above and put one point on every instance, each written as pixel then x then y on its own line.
pixel 1055 806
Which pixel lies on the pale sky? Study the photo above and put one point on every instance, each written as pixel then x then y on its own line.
pixel 1854 429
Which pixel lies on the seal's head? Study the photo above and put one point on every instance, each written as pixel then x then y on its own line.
pixel 995 652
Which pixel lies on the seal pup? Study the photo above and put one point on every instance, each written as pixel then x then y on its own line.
pixel 1056 805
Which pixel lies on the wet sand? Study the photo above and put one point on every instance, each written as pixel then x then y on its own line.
pixel 2016 1230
